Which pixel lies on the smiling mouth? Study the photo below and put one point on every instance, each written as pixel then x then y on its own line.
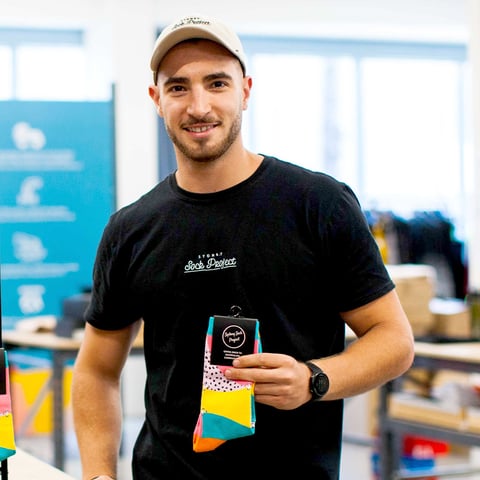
pixel 202 129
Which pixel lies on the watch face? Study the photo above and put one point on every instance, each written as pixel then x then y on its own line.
pixel 320 384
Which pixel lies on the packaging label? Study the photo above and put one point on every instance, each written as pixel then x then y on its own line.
pixel 231 338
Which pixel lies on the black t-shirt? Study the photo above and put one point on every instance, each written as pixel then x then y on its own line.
pixel 288 246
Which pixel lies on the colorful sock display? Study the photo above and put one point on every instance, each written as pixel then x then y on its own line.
pixel 227 408
pixel 7 439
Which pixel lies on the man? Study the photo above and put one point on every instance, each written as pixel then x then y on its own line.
pixel 231 228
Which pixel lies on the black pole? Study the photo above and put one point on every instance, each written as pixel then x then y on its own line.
pixel 4 469
pixel 3 378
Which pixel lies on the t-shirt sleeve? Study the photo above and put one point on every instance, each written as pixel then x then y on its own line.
pixel 111 306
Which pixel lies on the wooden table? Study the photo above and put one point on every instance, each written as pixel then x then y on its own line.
pixel 62 350
pixel 23 466
pixel 463 357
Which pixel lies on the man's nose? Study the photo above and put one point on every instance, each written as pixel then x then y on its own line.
pixel 199 104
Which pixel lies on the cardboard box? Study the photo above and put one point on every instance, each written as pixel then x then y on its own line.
pixel 407 406
pixel 451 318
pixel 472 423
pixel 415 285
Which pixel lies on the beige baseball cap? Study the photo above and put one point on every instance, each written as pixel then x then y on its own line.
pixel 196 27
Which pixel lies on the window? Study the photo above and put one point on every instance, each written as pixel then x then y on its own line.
pixel 6 79
pixel 41 64
pixel 51 73
pixel 305 113
pixel 412 134
pixel 387 118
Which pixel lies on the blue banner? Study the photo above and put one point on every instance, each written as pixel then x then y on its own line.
pixel 57 190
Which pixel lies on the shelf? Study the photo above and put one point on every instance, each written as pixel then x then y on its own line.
pixel 426 430
pixel 461 357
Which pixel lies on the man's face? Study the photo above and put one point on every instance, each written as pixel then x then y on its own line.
pixel 201 93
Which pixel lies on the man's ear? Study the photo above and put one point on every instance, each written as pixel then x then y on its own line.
pixel 155 96
pixel 247 86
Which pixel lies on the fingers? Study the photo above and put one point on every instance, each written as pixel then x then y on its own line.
pixel 261 360
pixel 262 367
pixel 280 380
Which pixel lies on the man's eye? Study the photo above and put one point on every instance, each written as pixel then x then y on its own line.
pixel 218 84
pixel 175 89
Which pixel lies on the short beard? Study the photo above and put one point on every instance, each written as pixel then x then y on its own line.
pixel 208 155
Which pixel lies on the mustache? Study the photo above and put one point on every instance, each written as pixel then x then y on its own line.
pixel 196 120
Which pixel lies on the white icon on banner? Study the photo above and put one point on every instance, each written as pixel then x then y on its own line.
pixel 31 299
pixel 28 248
pixel 27 137
pixel 28 194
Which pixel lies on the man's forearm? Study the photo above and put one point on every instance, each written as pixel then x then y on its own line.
pixel 98 422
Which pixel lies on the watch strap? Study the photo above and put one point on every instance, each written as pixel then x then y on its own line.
pixel 314 368
pixel 318 375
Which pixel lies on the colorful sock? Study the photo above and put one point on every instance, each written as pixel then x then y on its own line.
pixel 227 409
pixel 7 439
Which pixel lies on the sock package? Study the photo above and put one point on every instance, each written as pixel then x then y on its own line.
pixel 227 409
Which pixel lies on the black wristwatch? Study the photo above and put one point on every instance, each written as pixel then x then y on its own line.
pixel 319 382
